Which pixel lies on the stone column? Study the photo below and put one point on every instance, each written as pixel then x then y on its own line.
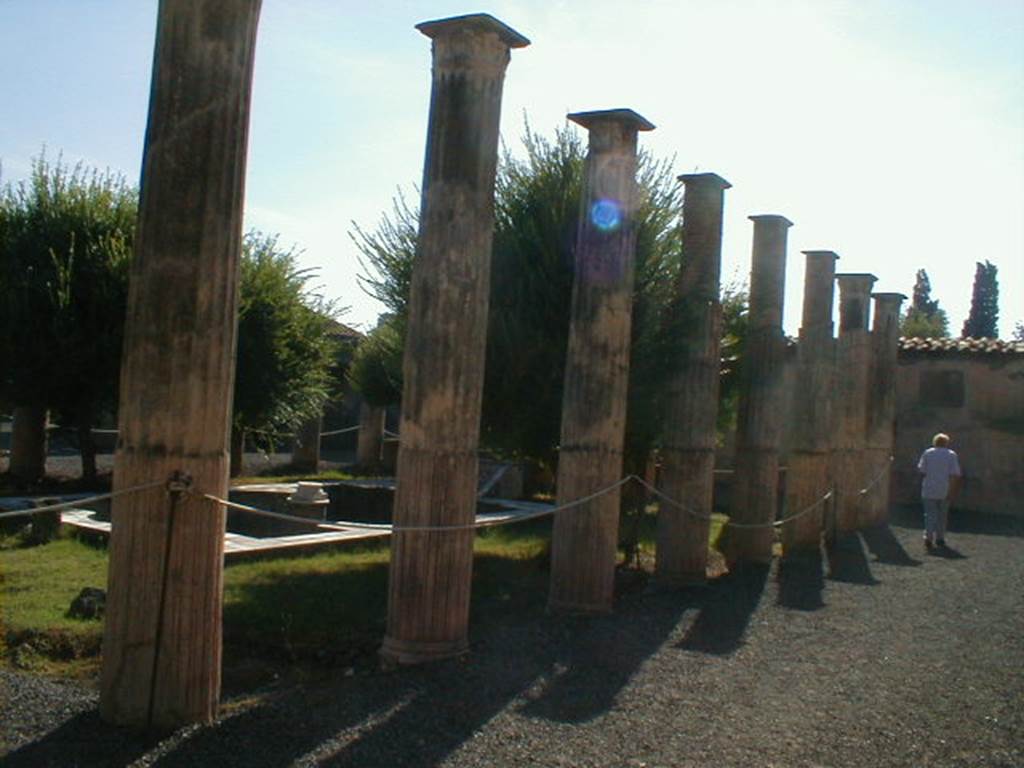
pixel 306 452
pixel 585 539
pixel 371 435
pixel 162 633
pixel 881 405
pixel 853 363
pixel 28 443
pixel 428 593
pixel 688 453
pixel 758 429
pixel 807 480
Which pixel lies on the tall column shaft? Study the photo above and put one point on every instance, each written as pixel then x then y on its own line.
pixel 371 435
pixel 431 571
pixel 585 539
pixel 758 429
pixel 853 364
pixel 688 452
pixel 881 404
pixel 807 480
pixel 162 633
pixel 306 453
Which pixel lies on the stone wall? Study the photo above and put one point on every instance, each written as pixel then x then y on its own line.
pixel 978 399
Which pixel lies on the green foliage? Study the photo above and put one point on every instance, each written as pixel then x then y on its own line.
pixel 376 368
pixel 735 321
pixel 924 318
pixel 537 201
pixel 983 320
pixel 286 348
pixel 65 244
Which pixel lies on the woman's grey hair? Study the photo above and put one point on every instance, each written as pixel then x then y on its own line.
pixel 941 440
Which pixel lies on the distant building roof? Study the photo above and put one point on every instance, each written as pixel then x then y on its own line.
pixel 963 346
pixel 343 331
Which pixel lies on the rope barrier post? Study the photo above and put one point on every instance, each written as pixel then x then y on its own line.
pixel 881 401
pixel 759 427
pixel 162 633
pixel 431 572
pixel 811 439
pixel 583 546
pixel 688 453
pixel 853 362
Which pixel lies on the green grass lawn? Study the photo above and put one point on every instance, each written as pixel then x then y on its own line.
pixel 325 606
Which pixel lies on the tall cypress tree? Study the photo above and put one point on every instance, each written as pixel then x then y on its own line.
pixel 983 320
pixel 924 318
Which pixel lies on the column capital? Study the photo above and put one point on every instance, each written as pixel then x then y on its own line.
pixel 770 218
pixel 884 296
pixel 477 22
pixel 821 255
pixel 627 117
pixel 704 180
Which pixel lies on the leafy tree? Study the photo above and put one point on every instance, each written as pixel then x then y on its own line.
pixel 1018 331
pixel 65 244
pixel 536 215
pixel 924 318
pixel 376 368
pixel 983 320
pixel 286 348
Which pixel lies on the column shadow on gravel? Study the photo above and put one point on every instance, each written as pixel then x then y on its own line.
pixel 568 669
pixel 727 607
pixel 883 544
pixel 847 561
pixel 82 740
pixel 801 579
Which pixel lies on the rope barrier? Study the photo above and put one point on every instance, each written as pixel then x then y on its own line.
pixel 693 513
pixel 878 478
pixel 339 431
pixel 79 502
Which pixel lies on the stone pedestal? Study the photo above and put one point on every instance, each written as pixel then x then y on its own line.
pixel 758 429
pixel 585 539
pixel 808 478
pixel 430 574
pixel 162 633
pixel 853 365
pixel 881 405
pixel 688 451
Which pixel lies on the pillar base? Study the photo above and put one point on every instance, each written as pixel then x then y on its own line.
pixel 394 653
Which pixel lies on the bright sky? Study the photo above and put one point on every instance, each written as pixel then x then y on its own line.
pixel 889 131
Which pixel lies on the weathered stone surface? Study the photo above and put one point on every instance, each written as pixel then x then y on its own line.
pixel 758 428
pixel 306 452
pixel 162 634
pixel 371 436
pixel 881 405
pixel 811 430
pixel 688 452
pixel 585 539
pixel 853 365
pixel 88 604
pixel 430 572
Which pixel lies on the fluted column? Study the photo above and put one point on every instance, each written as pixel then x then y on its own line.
pixel 758 428
pixel 881 405
pixel 853 364
pixel 443 368
pixel 162 632
pixel 688 452
pixel 807 480
pixel 585 539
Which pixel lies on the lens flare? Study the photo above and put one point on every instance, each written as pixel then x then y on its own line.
pixel 606 215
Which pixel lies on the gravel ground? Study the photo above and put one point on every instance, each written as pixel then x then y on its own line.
pixel 898 658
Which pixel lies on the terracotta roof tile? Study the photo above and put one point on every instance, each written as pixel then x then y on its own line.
pixel 970 346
